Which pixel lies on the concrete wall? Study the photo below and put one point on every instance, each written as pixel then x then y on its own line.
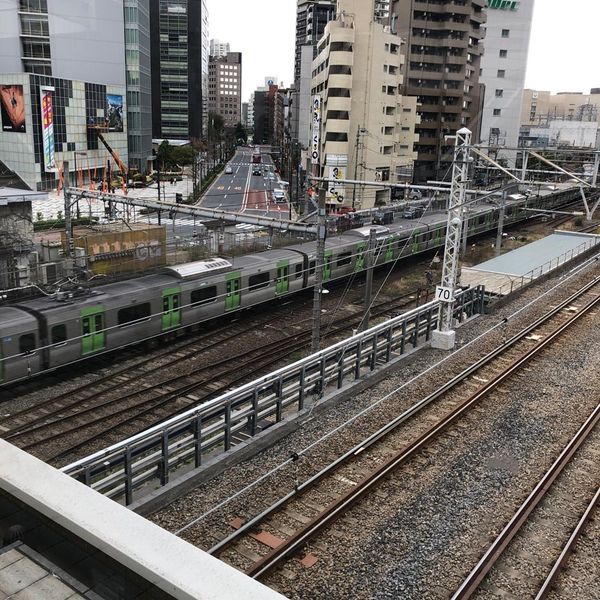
pixel 87 41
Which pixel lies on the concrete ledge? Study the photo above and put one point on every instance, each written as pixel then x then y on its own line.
pixel 161 558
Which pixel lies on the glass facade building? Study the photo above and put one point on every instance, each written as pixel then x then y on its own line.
pixel 138 80
pixel 177 68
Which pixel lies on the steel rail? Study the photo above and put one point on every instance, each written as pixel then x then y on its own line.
pixel 489 559
pixel 568 548
pixel 339 506
pixel 392 425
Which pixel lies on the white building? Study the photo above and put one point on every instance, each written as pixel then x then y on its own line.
pixel 218 48
pixel 368 127
pixel 503 67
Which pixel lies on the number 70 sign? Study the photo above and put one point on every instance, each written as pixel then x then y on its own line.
pixel 444 294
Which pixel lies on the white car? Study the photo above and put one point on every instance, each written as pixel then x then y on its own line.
pixel 228 170
pixel 279 196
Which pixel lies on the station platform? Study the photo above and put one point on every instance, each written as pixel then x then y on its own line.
pixel 60 539
pixel 513 270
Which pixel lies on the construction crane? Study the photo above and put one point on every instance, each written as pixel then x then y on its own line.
pixel 97 129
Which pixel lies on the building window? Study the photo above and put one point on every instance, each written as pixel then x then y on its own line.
pixel 503 53
pixel 499 93
pixel 497 112
pixel 505 33
pixel 501 73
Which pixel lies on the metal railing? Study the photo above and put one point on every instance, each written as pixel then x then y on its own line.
pixel 151 458
pixel 518 282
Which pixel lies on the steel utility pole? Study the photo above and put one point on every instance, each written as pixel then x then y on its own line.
pixel 500 224
pixel 443 337
pixel 319 266
pixel 369 264
pixel 68 229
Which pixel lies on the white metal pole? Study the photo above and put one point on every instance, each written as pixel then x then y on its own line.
pixel 443 337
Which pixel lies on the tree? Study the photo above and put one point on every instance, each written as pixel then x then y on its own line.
pixel 240 133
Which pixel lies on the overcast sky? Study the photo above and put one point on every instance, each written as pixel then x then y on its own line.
pixel 561 56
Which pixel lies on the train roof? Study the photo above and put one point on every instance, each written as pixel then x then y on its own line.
pixel 14 321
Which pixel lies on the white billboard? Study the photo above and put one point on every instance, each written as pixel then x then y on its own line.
pixel 315 142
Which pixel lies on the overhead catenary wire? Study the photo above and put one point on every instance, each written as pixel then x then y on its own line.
pixel 574 272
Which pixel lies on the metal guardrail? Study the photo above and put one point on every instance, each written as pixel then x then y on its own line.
pixel 153 456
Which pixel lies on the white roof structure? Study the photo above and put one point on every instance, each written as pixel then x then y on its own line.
pixel 199 267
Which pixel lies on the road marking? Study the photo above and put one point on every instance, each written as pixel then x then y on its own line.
pixel 225 196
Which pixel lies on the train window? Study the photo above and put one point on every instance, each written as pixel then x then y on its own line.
pixel 204 295
pixel 260 280
pixel 299 271
pixel 59 334
pixel 27 343
pixel 131 314
pixel 344 259
pixel 312 267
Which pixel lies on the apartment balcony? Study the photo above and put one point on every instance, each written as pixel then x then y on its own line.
pixel 436 8
pixel 441 25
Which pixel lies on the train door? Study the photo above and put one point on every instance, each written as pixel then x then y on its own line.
pixel 171 316
pixel 414 244
pixel 92 329
pixel 327 265
pixel 389 250
pixel 283 277
pixel 233 291
pixel 360 257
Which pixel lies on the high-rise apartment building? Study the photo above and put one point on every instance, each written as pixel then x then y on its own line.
pixel 219 48
pixel 225 87
pixel 443 47
pixel 177 68
pixel 367 126
pixel 311 19
pixel 503 67
pixel 139 85
pixel 205 55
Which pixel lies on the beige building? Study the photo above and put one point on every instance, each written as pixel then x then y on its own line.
pixel 540 107
pixel 367 127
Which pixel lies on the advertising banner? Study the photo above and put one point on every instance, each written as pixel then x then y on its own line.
pixel 315 142
pixel 335 185
pixel 46 97
pixel 12 103
pixel 114 112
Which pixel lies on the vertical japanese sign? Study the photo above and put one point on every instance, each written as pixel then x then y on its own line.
pixel 46 96
pixel 335 185
pixel 315 142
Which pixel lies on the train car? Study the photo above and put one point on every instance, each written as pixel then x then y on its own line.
pixel 50 332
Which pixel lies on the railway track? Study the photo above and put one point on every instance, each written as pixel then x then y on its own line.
pixel 130 401
pixel 261 543
pixel 549 514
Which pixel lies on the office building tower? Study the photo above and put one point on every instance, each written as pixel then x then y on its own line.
pixel 177 63
pixel 63 87
pixel 225 87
